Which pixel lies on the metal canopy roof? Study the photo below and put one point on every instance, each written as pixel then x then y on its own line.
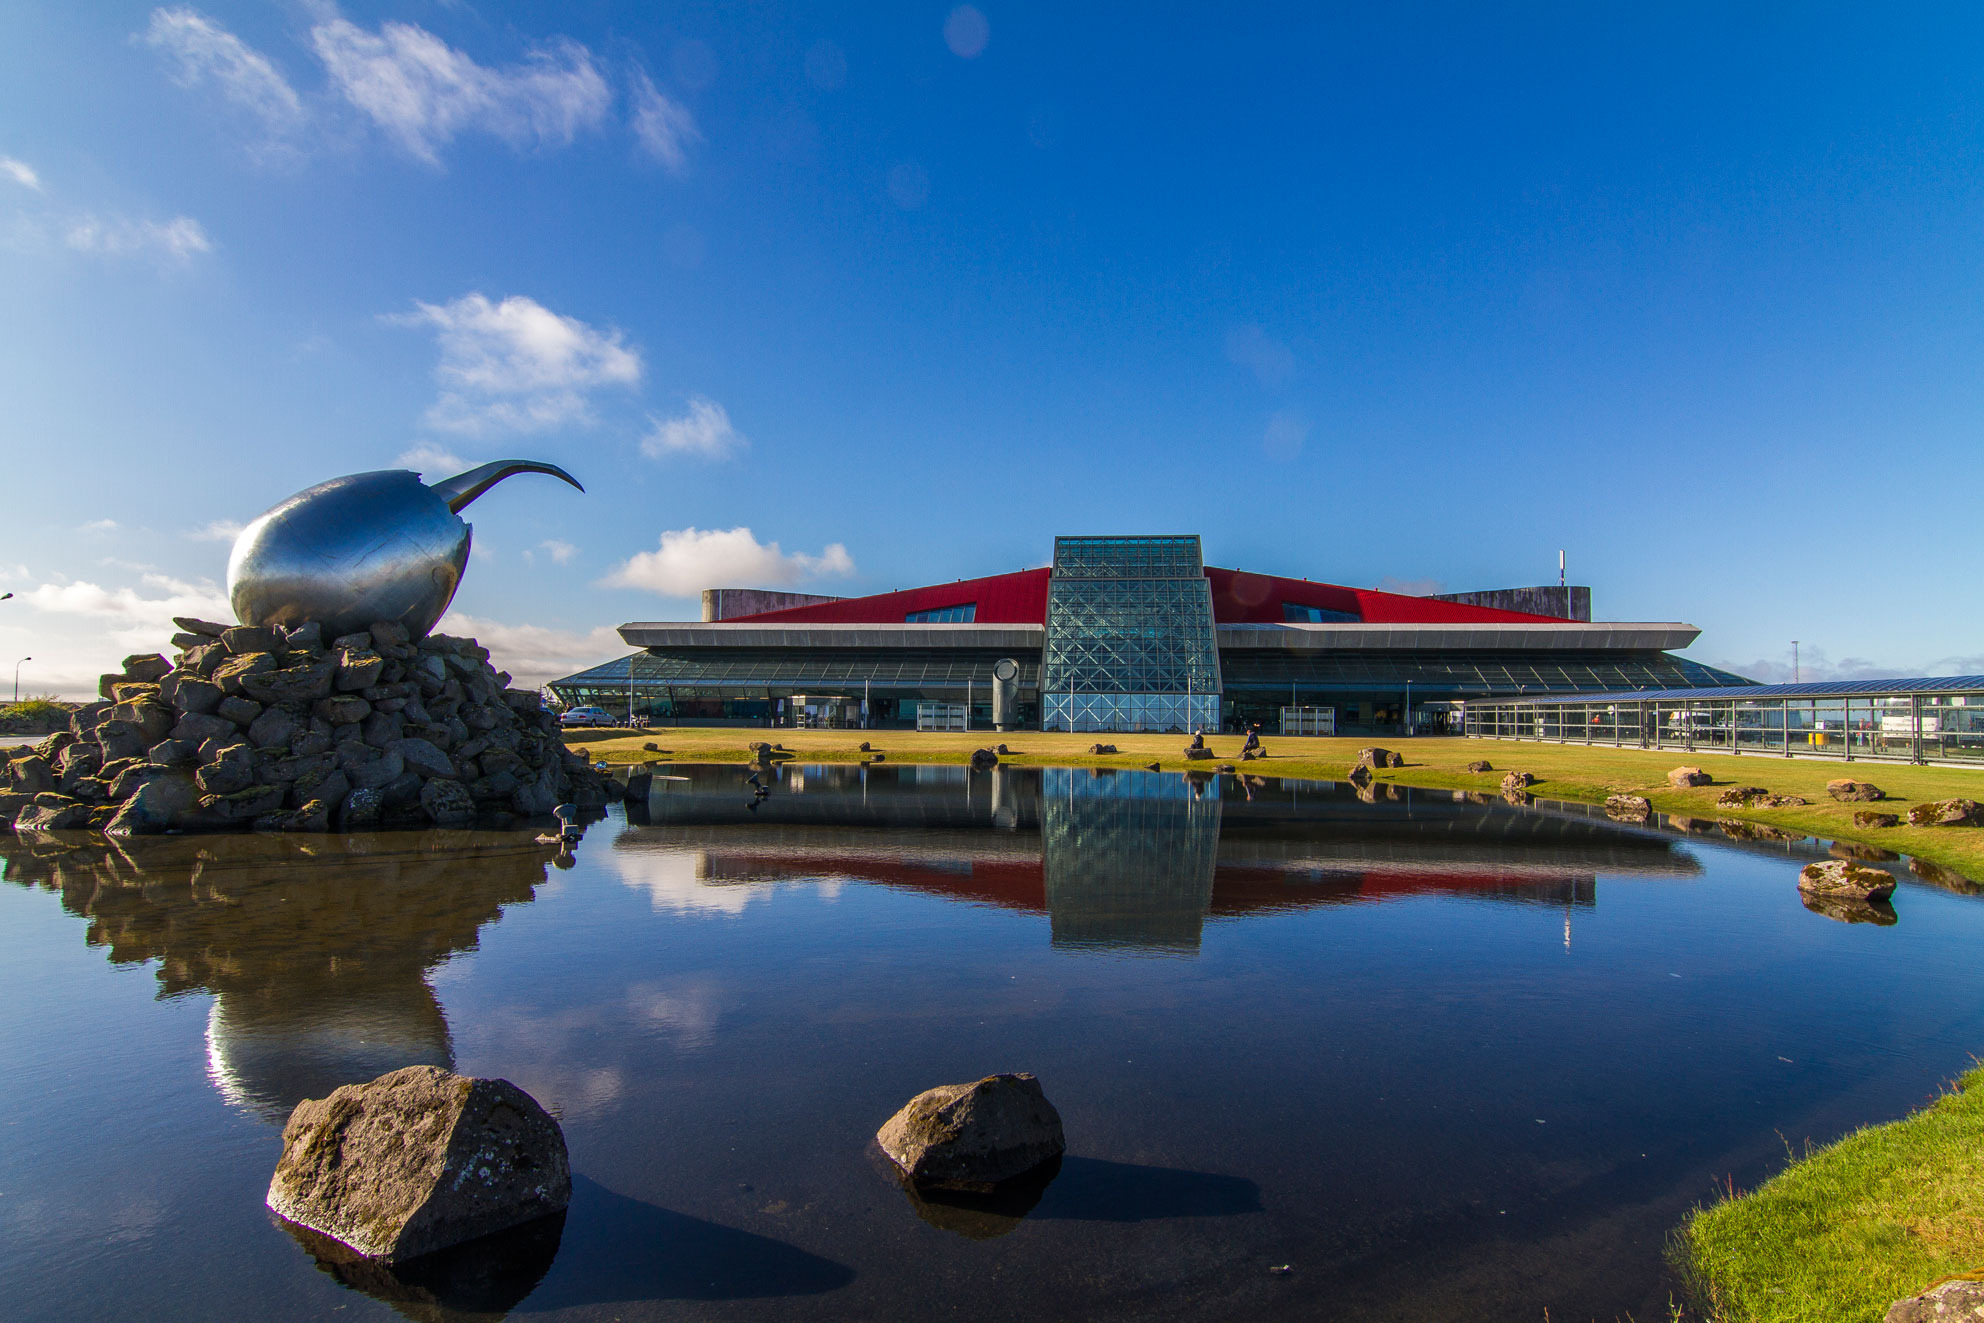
pixel 1936 684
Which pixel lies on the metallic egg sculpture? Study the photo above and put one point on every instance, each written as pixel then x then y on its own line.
pixel 364 547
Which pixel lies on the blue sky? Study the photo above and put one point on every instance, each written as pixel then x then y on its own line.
pixel 852 299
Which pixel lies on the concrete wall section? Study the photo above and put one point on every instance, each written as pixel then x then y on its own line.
pixel 1547 600
pixel 729 603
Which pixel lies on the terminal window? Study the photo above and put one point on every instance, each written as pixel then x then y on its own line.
pixel 1294 613
pixel 944 615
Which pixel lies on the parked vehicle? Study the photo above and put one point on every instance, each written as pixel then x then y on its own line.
pixel 587 716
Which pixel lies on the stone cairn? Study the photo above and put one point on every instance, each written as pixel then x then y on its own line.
pixel 280 729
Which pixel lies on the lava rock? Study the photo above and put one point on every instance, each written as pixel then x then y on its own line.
pixel 241 711
pixel 1952 1302
pixel 1628 808
pixel 1197 753
pixel 146 667
pixel 1872 818
pixel 974 1136
pixel 192 694
pixel 1848 791
pixel 1846 878
pixel 299 685
pixel 983 760
pixel 194 625
pixel 242 805
pixel 449 802
pixel 1101 748
pixel 1946 813
pixel 1517 782
pixel 418 1160
pixel 1740 796
pixel 420 756
pixel 1682 778
pixel 49 811
pixel 1481 765
pixel 1376 757
pixel 231 674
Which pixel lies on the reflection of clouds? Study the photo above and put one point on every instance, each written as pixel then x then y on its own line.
pixel 674 881
pixel 544 1052
pixel 684 1011
pixel 532 1050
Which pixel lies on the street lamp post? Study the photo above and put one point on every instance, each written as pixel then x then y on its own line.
pixel 17 678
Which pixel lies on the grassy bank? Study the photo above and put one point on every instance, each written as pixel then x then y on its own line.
pixel 1842 1234
pixel 1573 772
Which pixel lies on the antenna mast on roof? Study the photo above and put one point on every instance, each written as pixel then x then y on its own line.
pixel 1563 584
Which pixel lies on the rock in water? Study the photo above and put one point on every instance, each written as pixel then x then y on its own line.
pixel 1681 778
pixel 418 1160
pixel 974 1136
pixel 1846 878
pixel 1517 782
pixel 1628 808
pixel 1952 1302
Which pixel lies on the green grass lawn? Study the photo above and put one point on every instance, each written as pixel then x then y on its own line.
pixel 1840 1235
pixel 1562 771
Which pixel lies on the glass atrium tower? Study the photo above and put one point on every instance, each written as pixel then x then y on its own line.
pixel 1130 643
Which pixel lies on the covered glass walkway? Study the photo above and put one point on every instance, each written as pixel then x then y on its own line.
pixel 1935 720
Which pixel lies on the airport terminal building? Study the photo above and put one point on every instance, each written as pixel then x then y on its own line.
pixel 1127 634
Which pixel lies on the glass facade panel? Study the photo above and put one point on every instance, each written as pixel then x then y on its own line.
pixel 1130 642
pixel 944 615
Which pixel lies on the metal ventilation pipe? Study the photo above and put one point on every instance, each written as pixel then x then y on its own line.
pixel 1005 694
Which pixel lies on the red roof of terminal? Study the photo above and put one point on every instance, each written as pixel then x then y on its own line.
pixel 1238 598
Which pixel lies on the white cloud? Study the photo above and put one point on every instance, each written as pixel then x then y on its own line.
pixel 1286 431
pixel 13 573
pixel 201 49
pixel 705 430
pixel 664 128
pixel 217 530
pixel 692 559
pixel 1260 353
pixel 966 32
pixel 561 553
pixel 533 654
pixel 431 461
pixel 97 526
pixel 516 366
pixel 176 240
pixel 84 629
pixel 20 172
pixel 423 93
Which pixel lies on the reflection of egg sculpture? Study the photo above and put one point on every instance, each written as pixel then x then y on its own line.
pixel 365 547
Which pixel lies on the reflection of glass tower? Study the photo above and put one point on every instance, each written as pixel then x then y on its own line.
pixel 1128 857
pixel 1130 640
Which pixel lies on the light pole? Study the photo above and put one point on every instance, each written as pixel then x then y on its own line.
pixel 17 676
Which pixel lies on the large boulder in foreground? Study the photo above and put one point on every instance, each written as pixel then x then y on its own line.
pixel 1952 1302
pixel 418 1160
pixel 974 1136
pixel 1845 878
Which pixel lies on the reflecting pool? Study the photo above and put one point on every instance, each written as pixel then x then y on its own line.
pixel 1406 1057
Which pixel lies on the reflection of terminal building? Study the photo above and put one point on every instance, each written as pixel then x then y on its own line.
pixel 316 953
pixel 1126 633
pixel 1115 858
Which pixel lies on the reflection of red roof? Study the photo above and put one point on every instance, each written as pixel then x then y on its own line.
pixel 1238 598
pixel 1021 884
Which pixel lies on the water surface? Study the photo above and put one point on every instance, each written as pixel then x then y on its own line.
pixel 1438 1059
